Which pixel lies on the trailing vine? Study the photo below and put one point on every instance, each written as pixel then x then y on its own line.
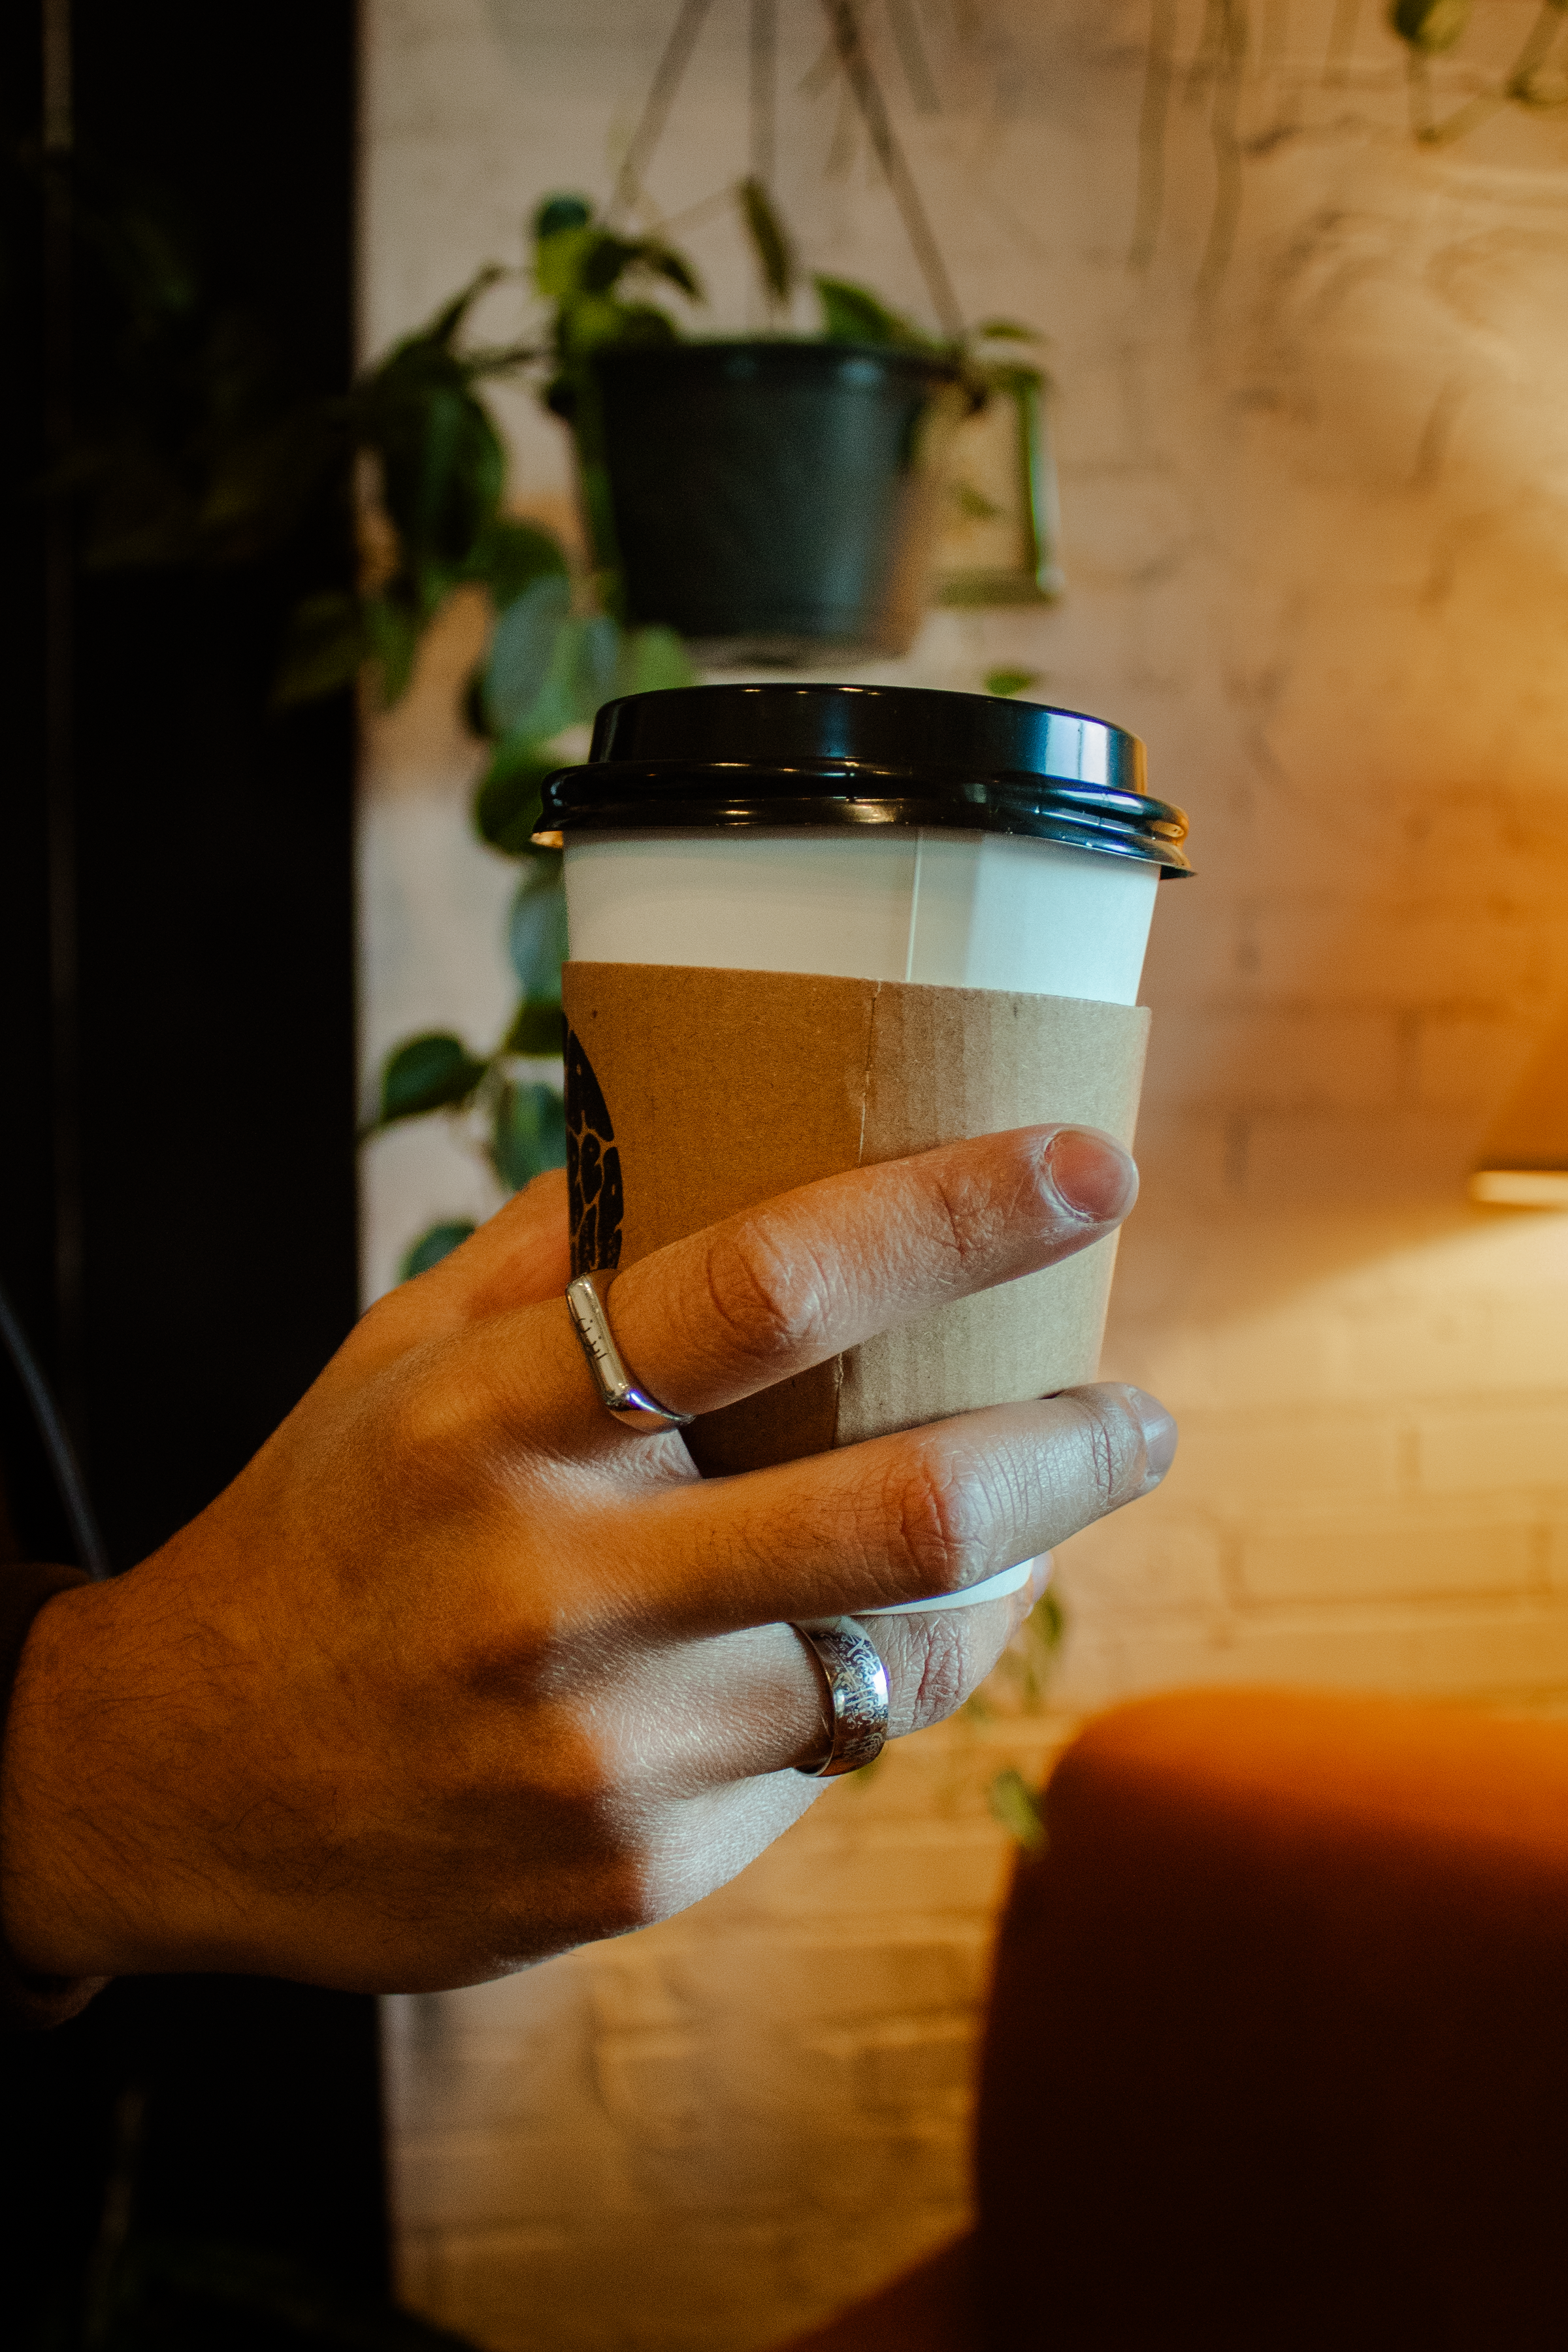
pixel 1229 46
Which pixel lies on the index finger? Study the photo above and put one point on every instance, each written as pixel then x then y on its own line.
pixel 780 1288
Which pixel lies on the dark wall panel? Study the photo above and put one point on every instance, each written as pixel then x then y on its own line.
pixel 210 1115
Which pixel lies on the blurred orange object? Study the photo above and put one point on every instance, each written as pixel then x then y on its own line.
pixel 1277 2053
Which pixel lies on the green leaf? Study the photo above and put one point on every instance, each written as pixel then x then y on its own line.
pixel 608 259
pixel 529 1134
pixel 1012 1804
pixel 541 872
pixel 522 654
pixel 536 936
pixel 593 322
pixel 972 503
pixel 430 1073
pixel 596 670
pixel 1005 330
pixel 769 240
pixel 636 322
pixel 852 314
pixel 652 661
pixel 441 461
pixel 665 262
pixel 1010 681
pixel 536 1030
pixel 454 489
pixel 393 628
pixel 560 253
pixel 1046 1621
pixel 577 263
pixel 571 689
pixel 506 802
pixel 509 557
pixel 604 260
pixel 323 649
pixel 561 699
pixel 1429 26
pixel 557 213
pixel 433 1245
pixel 441 330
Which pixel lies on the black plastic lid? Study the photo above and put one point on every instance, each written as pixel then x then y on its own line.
pixel 732 758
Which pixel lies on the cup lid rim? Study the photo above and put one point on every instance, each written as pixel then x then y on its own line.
pixel 782 755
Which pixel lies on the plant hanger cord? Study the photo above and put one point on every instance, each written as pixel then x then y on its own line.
pixel 867 91
pixel 859 73
pixel 667 80
pixel 763 60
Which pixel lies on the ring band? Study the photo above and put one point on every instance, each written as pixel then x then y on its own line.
pixel 858 1692
pixel 619 1392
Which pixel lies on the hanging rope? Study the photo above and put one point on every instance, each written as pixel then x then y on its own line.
pixel 671 65
pixel 764 85
pixel 862 80
pixel 859 72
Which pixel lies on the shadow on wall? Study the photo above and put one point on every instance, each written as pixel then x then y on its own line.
pixel 1378 940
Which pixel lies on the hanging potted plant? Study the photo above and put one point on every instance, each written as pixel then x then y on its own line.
pixel 772 498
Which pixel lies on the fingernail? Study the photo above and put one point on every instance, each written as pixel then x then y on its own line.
pixel 1040 1576
pixel 1160 1435
pixel 1092 1176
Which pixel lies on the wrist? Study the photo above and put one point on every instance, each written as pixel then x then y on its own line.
pixel 69 1893
pixel 31 1992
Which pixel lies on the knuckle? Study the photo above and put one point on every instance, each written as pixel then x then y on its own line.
pixel 943 1678
pixel 428 1429
pixel 768 1299
pixel 964 1224
pixel 937 1516
pixel 1112 1445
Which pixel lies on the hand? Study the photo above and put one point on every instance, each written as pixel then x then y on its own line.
pixel 459 1673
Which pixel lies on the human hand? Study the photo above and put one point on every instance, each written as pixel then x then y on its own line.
pixel 459 1673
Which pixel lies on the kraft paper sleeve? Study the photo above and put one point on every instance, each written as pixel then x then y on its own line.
pixel 693 1093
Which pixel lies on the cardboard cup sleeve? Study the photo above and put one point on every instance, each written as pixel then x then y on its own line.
pixel 694 1093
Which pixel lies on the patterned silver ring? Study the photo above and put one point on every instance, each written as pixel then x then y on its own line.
pixel 857 1694
pixel 619 1391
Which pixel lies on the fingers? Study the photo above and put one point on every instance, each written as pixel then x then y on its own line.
pixel 897 1520
pixel 784 1286
pixel 754 1702
pixel 935 1662
pixel 767 1294
pixel 781 1287
pixel 708 1736
pixel 520 1255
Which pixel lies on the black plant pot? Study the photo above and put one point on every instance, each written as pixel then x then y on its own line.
pixel 774 501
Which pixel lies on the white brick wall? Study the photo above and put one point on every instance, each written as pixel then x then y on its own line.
pixel 1315 533
pixel 715 2131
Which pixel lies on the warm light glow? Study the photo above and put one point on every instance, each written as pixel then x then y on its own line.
pixel 1521 1188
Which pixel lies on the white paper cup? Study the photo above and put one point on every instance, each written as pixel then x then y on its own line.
pixel 948 908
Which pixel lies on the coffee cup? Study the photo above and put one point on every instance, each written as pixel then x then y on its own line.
pixel 813 927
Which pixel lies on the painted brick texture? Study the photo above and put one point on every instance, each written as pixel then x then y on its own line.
pixel 1316 505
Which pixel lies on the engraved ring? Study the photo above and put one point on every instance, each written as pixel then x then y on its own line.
pixel 620 1393
pixel 857 1690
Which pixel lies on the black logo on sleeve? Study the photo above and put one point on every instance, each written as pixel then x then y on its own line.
pixel 592 1166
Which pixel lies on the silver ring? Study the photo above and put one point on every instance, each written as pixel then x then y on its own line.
pixel 858 1692
pixel 619 1391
